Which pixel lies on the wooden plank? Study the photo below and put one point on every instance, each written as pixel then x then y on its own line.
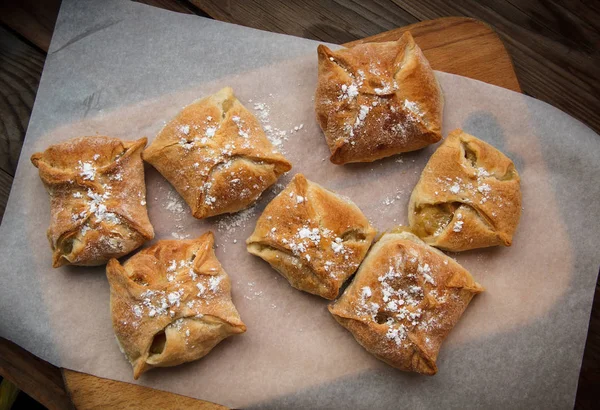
pixel 6 181
pixel 330 21
pixel 32 19
pixel 558 65
pixel 89 392
pixel 444 42
pixel 20 71
pixel 37 378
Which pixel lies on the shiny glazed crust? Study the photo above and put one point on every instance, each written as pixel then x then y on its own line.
pixel 377 99
pixel 404 300
pixel 468 196
pixel 313 237
pixel 97 199
pixel 171 303
pixel 216 155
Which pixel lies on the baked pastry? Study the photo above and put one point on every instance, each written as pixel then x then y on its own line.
pixel 374 100
pixel 404 300
pixel 216 155
pixel 313 237
pixel 469 196
pixel 97 199
pixel 171 303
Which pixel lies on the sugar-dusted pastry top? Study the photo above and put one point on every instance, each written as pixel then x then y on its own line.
pixel 404 300
pixel 97 199
pixel 216 155
pixel 315 238
pixel 468 196
pixel 171 303
pixel 374 100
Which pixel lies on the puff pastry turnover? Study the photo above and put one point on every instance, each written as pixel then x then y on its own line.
pixel 468 196
pixel 216 156
pixel 171 303
pixel 404 300
pixel 374 100
pixel 313 237
pixel 97 198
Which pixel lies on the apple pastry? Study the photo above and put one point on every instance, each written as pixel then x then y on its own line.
pixel 374 100
pixel 313 237
pixel 404 300
pixel 468 196
pixel 97 199
pixel 171 303
pixel 216 155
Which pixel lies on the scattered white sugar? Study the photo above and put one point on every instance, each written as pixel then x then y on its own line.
pixel 273 229
pixel 172 266
pixel 299 199
pixel 143 202
pixel 184 129
pixel 77 195
pixel 117 177
pixel 152 313
pixel 229 223
pixel 425 270
pixel 174 297
pixel 214 282
pixel 455 188
pixel 187 332
pixel 210 132
pixel 96 156
pixel 362 114
pixel 349 92
pixel 311 234
pixel 87 171
pixel 415 112
pixel 397 334
pixel 210 200
pixel 235 241
pixel 484 188
pixel 137 311
pixel 201 289
pixel 366 292
pixel 337 245
pixel 84 230
pixel 458 225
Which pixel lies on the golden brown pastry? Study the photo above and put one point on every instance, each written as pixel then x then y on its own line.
pixel 313 237
pixel 216 156
pixel 404 300
pixel 469 196
pixel 97 199
pixel 374 100
pixel 171 303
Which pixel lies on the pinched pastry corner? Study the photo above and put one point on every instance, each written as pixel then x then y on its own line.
pixel 216 155
pixel 374 100
pixel 97 198
pixel 468 196
pixel 404 300
pixel 171 303
pixel 313 237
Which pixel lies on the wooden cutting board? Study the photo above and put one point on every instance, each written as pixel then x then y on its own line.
pixel 455 45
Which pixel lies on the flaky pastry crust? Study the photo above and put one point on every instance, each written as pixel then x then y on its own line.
pixel 216 155
pixel 404 300
pixel 374 100
pixel 97 199
pixel 313 237
pixel 171 303
pixel 468 196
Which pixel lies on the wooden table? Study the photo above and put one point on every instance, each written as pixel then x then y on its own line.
pixel 555 51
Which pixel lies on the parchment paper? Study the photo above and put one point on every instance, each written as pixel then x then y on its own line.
pixel 123 69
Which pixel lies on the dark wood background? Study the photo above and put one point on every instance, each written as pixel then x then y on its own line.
pixel 555 47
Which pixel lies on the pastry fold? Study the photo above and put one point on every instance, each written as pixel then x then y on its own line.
pixel 97 199
pixel 404 300
pixel 171 303
pixel 468 196
pixel 216 155
pixel 313 237
pixel 374 100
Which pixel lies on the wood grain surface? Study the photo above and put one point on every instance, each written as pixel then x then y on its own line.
pixel 554 46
